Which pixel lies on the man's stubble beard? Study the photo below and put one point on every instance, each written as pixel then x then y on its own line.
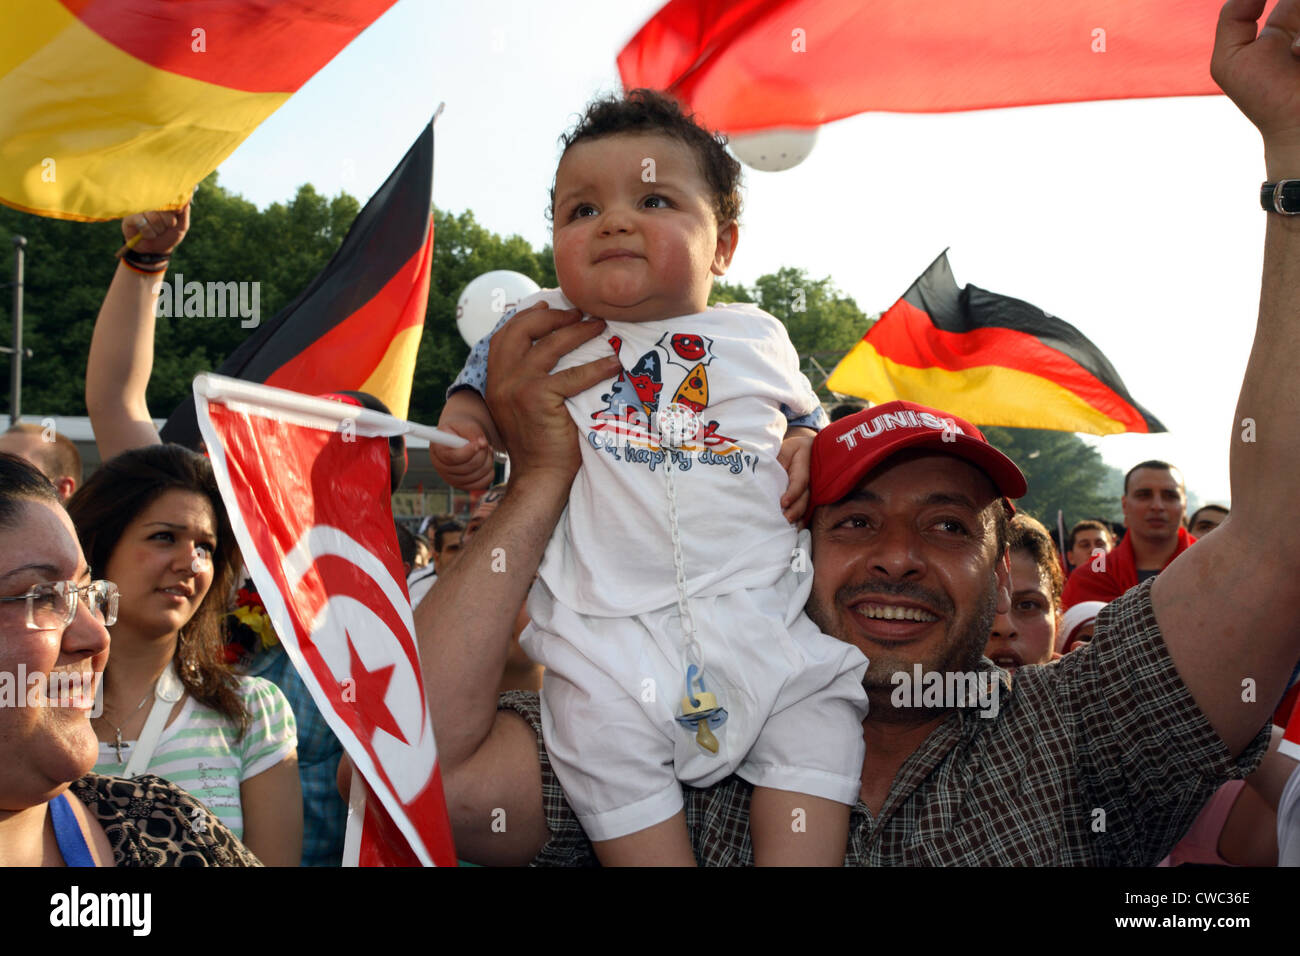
pixel 961 652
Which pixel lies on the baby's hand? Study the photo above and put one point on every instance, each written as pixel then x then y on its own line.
pixel 796 459
pixel 469 467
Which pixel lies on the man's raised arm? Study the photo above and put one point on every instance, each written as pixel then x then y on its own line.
pixel 488 759
pixel 1227 606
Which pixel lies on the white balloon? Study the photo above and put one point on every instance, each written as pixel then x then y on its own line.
pixel 773 150
pixel 487 298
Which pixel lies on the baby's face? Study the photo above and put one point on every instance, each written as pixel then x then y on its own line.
pixel 635 234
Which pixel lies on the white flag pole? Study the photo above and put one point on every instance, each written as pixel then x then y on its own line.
pixel 355 821
pixel 235 392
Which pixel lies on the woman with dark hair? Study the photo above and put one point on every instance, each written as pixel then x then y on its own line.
pixel 53 647
pixel 152 521
pixel 153 516
pixel 1026 634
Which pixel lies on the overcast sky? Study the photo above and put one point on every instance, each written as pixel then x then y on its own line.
pixel 1136 221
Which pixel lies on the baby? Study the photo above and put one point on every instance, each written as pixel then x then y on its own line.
pixel 668 610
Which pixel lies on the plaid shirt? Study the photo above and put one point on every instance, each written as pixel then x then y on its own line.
pixel 1099 759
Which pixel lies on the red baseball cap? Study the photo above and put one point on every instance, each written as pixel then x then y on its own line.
pixel 849 448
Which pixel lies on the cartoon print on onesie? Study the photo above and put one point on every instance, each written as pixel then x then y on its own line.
pixel 633 397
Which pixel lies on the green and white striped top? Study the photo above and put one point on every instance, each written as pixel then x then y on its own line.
pixel 199 752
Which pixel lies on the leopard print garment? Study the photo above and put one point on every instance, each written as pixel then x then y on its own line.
pixel 151 822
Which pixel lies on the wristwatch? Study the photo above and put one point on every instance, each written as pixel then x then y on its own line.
pixel 1282 196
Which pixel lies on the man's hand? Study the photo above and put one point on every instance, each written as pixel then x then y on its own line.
pixel 796 459
pixel 161 231
pixel 1261 73
pixel 466 623
pixel 527 401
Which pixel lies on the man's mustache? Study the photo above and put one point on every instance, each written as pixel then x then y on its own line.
pixel 935 600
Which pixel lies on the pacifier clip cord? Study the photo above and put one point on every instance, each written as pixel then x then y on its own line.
pixel 700 710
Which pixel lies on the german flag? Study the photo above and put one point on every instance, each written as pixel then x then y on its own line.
pixel 989 358
pixel 108 107
pixel 357 327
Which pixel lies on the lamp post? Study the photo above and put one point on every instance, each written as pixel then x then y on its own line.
pixel 16 352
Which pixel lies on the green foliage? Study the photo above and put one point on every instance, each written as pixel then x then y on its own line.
pixel 823 323
pixel 1063 471
pixel 462 250
pixel 69 266
pixel 283 247
pixel 1111 490
pixel 58 314
pixel 729 292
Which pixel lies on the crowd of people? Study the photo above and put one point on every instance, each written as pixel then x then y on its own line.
pixel 731 631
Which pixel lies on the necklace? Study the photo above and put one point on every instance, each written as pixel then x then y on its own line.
pixel 117 735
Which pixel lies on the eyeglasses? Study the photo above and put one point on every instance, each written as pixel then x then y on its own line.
pixel 53 606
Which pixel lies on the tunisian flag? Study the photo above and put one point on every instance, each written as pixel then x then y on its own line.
pixel 108 107
pixel 357 326
pixel 306 483
pixel 989 358
pixel 1290 744
pixel 745 65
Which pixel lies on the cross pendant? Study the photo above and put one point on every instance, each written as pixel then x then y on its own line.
pixel 118 745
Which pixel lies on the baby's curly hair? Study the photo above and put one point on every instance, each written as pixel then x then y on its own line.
pixel 650 111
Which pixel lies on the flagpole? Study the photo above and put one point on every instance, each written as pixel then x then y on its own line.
pixel 1060 533
pixel 356 821
pixel 232 389
pixel 16 360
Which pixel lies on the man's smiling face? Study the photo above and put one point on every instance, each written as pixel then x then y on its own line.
pixel 907 568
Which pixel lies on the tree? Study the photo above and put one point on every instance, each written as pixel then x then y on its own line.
pixel 1062 470
pixel 823 323
pixel 282 248
pixel 729 292
pixel 70 265
pixel 462 250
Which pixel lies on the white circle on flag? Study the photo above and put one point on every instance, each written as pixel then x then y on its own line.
pixel 345 619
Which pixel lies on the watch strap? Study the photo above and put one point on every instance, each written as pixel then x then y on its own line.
pixel 1281 197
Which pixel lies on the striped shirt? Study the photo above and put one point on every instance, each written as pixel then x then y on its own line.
pixel 199 752
pixel 1101 758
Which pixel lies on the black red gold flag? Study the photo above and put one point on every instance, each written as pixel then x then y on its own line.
pixel 108 107
pixel 357 326
pixel 988 358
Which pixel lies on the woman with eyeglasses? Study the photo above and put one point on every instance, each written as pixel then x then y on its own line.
pixel 53 646
pixel 152 522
